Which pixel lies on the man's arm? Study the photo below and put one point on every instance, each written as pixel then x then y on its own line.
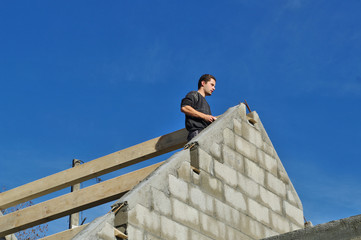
pixel 188 110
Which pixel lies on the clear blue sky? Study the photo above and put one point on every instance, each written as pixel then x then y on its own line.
pixel 82 79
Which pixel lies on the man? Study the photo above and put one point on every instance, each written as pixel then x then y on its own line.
pixel 195 107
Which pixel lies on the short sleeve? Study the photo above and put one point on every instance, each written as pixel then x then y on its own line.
pixel 189 100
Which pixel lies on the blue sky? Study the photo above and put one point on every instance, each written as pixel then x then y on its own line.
pixel 82 79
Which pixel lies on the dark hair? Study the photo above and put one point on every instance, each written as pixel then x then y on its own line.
pixel 206 78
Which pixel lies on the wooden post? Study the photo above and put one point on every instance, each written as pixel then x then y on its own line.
pixel 74 218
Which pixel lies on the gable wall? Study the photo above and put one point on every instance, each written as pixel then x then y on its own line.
pixel 242 191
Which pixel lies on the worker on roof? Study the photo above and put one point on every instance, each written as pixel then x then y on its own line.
pixel 195 107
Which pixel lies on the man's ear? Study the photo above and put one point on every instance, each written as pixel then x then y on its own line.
pixel 203 83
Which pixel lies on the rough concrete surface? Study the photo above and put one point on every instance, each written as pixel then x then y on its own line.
pixel 99 229
pixel 343 229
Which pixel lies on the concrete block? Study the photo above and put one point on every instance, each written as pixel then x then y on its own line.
pixel 211 227
pixel 291 197
pixel 161 202
pixel 172 230
pixel 259 126
pixel 250 133
pixel 279 223
pixel 91 232
pixel 237 126
pixel 233 234
pixel 260 157
pixel 227 214
pixel 184 172
pixel 235 198
pixel 269 232
pixel 275 185
pixel 242 111
pixel 251 227
pixel 205 161
pixel 254 172
pixel 134 233
pixel 178 188
pixel 268 149
pixel 197 236
pixel 144 195
pixel 246 148
pixel 145 219
pixel 106 233
pixel 270 164
pixel 216 151
pixel 293 213
pixel 256 229
pixel 210 185
pixel 185 214
pixel 149 236
pixel 248 186
pixel 257 211
pixel 257 138
pixel 282 174
pixel 243 224
pixel 228 138
pixel 271 200
pixel 225 173
pixel 232 158
pixel 265 137
pixel 201 200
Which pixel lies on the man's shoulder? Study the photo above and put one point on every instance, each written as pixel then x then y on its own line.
pixel 190 99
pixel 193 93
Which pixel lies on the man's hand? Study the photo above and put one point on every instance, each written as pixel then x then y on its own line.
pixel 209 118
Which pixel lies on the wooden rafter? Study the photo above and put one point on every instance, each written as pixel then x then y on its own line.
pixel 72 202
pixel 65 235
pixel 94 168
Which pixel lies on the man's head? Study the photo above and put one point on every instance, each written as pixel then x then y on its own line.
pixel 207 84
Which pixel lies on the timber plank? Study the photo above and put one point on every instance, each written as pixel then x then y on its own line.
pixel 94 168
pixel 119 234
pixel 65 235
pixel 72 202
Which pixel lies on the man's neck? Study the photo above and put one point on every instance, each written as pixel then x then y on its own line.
pixel 201 91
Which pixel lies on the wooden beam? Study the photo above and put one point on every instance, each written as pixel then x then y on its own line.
pixel 72 202
pixel 94 168
pixel 119 234
pixel 65 235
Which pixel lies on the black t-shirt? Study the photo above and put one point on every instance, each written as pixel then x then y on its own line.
pixel 199 103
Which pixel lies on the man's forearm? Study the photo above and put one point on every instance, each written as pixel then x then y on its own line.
pixel 188 110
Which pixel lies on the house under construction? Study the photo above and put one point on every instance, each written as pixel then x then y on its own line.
pixel 226 183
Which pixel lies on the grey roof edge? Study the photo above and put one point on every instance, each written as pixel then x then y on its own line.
pixel 343 229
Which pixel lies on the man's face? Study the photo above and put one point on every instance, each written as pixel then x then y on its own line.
pixel 209 87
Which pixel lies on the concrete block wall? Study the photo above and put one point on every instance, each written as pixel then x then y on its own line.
pixel 241 192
